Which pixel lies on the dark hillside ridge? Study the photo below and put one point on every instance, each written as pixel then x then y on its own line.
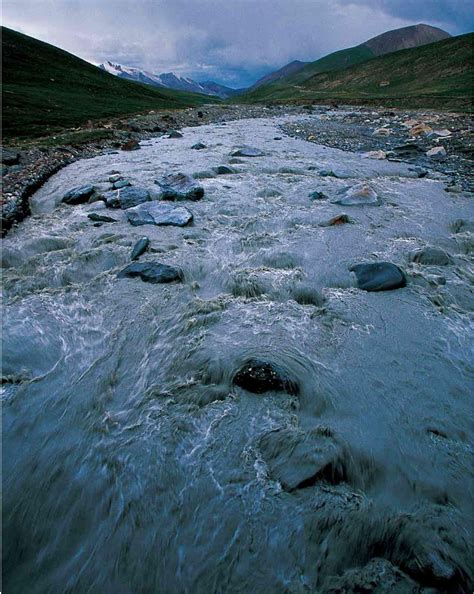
pixel 46 89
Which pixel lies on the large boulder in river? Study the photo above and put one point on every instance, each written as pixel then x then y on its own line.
pixel 179 186
pixel 379 276
pixel 151 272
pixel 261 376
pixel 78 195
pixel 358 195
pixel 159 213
pixel 128 197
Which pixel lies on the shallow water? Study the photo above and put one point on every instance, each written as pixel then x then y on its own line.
pixel 132 464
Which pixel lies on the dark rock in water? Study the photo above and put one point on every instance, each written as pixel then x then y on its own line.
pixel 341 219
pixel 259 377
pixel 151 272
pixel 277 138
pixel 224 170
pixel 139 248
pixel 126 197
pixel 174 134
pixel 327 173
pixel 179 186
pixel 115 177
pixel 431 256
pixel 317 195
pixel 130 145
pixel 200 114
pixel 378 276
pixel 94 216
pixel 10 157
pixel 199 146
pixel 299 459
pixel 121 183
pixel 78 195
pixel 248 151
pixel 159 213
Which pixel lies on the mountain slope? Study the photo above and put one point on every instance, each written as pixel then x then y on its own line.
pixel 168 80
pixel 46 89
pixel 390 41
pixel 291 68
pixel 438 71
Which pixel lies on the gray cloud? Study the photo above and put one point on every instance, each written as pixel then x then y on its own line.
pixel 232 41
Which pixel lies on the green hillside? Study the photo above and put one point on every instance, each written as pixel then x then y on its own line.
pixel 46 89
pixel 426 75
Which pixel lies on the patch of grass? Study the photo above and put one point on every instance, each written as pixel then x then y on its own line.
pixel 46 90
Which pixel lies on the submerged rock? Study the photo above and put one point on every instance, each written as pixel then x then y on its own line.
pixel 151 272
pixel 260 376
pixel 78 195
pixel 341 219
pixel 379 276
pixel 224 170
pixel 199 146
pixel 431 256
pixel 299 459
pixel 317 195
pixel 125 198
pixel 98 218
pixel 358 195
pixel 139 248
pixel 179 186
pixel 159 213
pixel 174 134
pixel 248 151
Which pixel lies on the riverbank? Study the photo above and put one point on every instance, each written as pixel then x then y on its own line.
pixel 27 164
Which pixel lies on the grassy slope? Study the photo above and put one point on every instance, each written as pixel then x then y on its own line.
pixel 335 61
pixel 46 89
pixel 439 70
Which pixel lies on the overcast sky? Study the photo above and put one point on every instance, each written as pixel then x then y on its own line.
pixel 231 41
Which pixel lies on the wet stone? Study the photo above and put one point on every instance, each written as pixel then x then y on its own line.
pixel 378 276
pixel 121 183
pixel 224 170
pixel 98 218
pixel 159 213
pixel 431 256
pixel 341 219
pixel 179 186
pixel 125 198
pixel 358 195
pixel 248 151
pixel 317 195
pixel 260 376
pixel 78 195
pixel 139 248
pixel 151 272
pixel 299 459
pixel 130 145
pixel 174 134
pixel 199 146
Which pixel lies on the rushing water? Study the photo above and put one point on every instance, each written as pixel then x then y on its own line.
pixel 133 465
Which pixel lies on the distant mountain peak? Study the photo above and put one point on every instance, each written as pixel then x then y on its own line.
pixel 169 80
pixel 405 38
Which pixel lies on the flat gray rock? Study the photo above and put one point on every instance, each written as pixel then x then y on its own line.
pixel 125 198
pixel 78 195
pixel 159 213
pixel 151 272
pixel 248 151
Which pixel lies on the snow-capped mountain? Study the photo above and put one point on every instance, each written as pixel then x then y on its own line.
pixel 168 80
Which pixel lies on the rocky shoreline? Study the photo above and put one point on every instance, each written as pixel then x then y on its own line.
pixel 397 135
